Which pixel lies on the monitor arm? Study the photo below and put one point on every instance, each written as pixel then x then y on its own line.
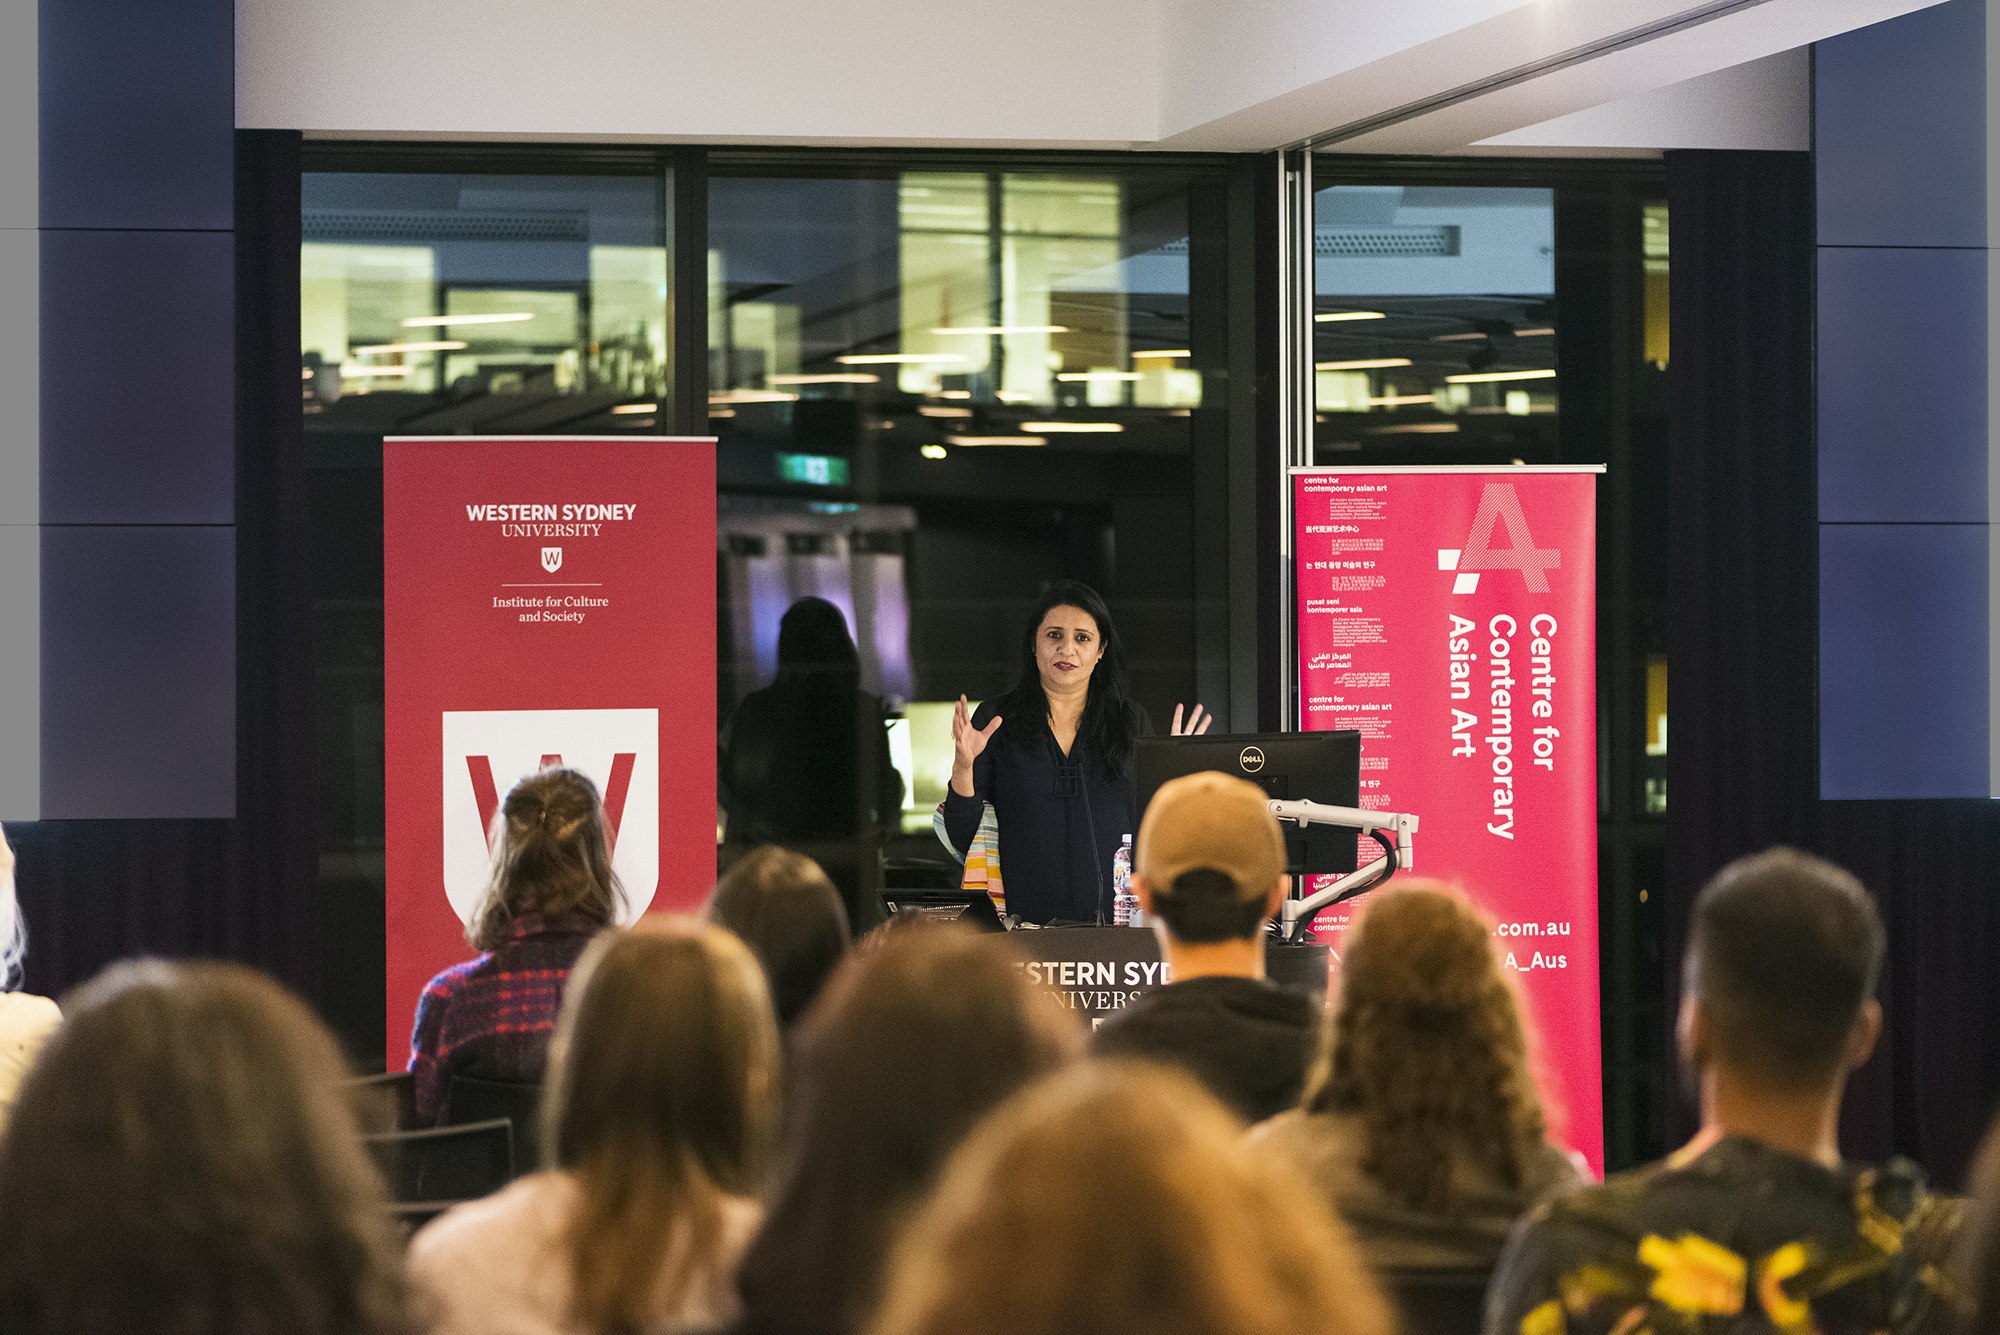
pixel 1395 831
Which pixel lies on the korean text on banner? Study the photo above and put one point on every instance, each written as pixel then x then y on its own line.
pixel 1451 616
pixel 546 600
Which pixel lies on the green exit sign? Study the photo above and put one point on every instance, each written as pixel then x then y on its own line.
pixel 819 470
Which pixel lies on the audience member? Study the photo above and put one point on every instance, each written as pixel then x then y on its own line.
pixel 1757 1223
pixel 790 915
pixel 915 1039
pixel 552 889
pixel 1210 873
pixel 1420 1122
pixel 1976 1274
pixel 184 1158
pixel 1118 1199
pixel 661 1094
pixel 805 760
pixel 26 1021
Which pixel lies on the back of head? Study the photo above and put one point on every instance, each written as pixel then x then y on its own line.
pixel 790 915
pixel 918 1035
pixel 661 1101
pixel 1978 1259
pixel 13 928
pixel 1212 854
pixel 551 857
pixel 814 643
pixel 1427 1045
pixel 1121 1198
pixel 184 1157
pixel 1783 955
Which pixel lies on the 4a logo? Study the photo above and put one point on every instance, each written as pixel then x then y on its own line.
pixel 552 559
pixel 486 752
pixel 1500 507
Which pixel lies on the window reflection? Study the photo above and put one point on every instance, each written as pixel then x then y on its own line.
pixel 1434 322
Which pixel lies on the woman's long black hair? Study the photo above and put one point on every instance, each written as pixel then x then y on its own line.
pixel 1110 717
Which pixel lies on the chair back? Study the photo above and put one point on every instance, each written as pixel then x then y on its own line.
pixel 520 1102
pixel 1440 1301
pixel 446 1163
pixel 393 1096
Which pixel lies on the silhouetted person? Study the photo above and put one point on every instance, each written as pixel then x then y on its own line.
pixel 805 760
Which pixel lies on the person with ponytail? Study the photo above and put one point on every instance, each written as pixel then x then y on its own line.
pixel 1059 773
pixel 26 1021
pixel 551 890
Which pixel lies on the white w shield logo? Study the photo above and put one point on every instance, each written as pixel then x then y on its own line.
pixel 552 559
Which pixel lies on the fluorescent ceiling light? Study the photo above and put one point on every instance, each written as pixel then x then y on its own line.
pixel 840 378
pixel 1334 317
pixel 900 358
pixel 753 396
pixel 625 409
pixel 956 394
pixel 1161 352
pixel 932 410
pixel 996 440
pixel 1073 376
pixel 1543 332
pixel 933 451
pixel 432 345
pixel 992 329
pixel 1057 428
pixel 1400 400
pixel 1011 395
pixel 360 369
pixel 1363 364
pixel 1458 338
pixel 1488 377
pixel 439 321
pixel 1415 429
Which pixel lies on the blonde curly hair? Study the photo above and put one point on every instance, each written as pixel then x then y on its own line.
pixel 1428 1047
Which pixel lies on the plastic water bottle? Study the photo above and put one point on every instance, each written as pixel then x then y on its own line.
pixel 1124 904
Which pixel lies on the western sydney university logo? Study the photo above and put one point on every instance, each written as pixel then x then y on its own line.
pixel 1499 508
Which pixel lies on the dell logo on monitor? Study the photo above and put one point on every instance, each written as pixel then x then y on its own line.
pixel 1252 759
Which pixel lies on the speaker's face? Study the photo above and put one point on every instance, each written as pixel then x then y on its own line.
pixel 1067 649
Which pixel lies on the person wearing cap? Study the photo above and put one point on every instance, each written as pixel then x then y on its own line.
pixel 1210 872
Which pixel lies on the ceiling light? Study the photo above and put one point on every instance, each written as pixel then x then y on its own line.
pixel 1363 364
pixel 1542 332
pixel 1161 352
pixel 899 358
pixel 1415 429
pixel 753 396
pixel 933 451
pixel 714 413
pixel 625 409
pixel 996 440
pixel 1400 400
pixel 954 393
pixel 933 410
pixel 438 321
pixel 839 378
pixel 433 345
pixel 993 329
pixel 1073 376
pixel 1458 338
pixel 1487 377
pixel 1057 428
pixel 360 369
pixel 1012 396
pixel 1333 317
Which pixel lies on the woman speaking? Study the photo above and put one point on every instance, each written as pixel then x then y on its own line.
pixel 1054 757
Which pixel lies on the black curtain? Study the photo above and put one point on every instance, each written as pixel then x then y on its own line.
pixel 242 889
pixel 1743 685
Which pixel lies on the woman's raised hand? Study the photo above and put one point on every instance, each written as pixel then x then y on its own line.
pixel 967 741
pixel 1197 722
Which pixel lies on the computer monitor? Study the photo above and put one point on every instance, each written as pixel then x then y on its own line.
pixel 1322 767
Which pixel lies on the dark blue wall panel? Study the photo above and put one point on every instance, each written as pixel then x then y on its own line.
pixel 138 113
pixel 1902 386
pixel 138 378
pixel 1900 130
pixel 1903 660
pixel 138 672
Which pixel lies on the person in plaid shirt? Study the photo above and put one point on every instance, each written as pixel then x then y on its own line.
pixel 552 891
pixel 1758 1224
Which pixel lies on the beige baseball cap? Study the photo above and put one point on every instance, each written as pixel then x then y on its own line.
pixel 1211 820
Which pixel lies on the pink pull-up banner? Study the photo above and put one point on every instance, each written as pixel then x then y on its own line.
pixel 546 600
pixel 1450 615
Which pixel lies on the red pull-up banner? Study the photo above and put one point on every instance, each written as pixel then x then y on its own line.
pixel 1451 616
pixel 546 600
